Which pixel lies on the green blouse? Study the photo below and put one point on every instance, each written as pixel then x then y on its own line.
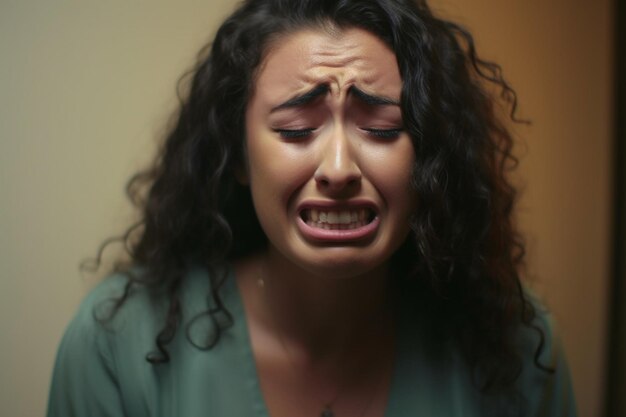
pixel 101 370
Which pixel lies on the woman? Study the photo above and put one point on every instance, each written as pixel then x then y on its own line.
pixel 327 232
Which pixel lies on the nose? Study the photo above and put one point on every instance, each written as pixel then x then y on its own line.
pixel 338 170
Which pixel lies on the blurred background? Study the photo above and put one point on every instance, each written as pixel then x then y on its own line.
pixel 86 91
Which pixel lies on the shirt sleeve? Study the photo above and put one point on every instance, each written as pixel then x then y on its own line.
pixel 84 381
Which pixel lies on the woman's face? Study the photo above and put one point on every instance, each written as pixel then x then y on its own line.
pixel 328 161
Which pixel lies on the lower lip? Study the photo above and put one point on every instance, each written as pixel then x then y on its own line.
pixel 338 235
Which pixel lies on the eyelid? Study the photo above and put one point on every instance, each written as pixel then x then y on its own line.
pixel 384 133
pixel 305 132
pixel 294 133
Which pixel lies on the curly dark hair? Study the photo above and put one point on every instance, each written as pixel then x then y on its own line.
pixel 464 255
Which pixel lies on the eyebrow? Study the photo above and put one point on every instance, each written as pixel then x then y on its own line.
pixel 371 99
pixel 303 99
pixel 320 90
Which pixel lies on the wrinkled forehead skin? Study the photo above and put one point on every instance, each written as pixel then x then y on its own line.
pixel 344 49
pixel 346 57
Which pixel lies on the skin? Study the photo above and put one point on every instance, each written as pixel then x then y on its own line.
pixel 324 312
pixel 340 161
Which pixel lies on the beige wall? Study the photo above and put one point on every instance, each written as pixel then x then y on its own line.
pixel 85 87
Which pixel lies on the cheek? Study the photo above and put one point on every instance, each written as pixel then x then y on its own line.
pixel 391 170
pixel 276 169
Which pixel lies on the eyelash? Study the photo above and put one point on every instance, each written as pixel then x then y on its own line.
pixel 294 133
pixel 384 133
pixel 302 133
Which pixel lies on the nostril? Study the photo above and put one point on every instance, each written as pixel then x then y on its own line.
pixel 322 181
pixel 339 175
pixel 337 182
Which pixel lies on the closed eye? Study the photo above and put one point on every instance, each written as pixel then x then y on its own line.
pixel 384 133
pixel 294 133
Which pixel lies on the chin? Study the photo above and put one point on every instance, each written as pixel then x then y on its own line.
pixel 337 264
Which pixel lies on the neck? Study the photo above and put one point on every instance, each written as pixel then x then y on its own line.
pixel 317 315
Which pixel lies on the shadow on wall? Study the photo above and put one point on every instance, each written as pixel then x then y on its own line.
pixel 616 384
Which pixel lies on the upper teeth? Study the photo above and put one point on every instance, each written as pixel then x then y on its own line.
pixel 337 217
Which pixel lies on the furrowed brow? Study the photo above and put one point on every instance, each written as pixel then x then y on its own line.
pixel 303 99
pixel 372 100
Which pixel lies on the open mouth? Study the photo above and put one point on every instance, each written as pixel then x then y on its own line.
pixel 337 219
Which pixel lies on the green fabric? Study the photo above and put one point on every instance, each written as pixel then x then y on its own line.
pixel 101 369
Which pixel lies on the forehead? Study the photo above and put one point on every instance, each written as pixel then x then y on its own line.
pixel 297 61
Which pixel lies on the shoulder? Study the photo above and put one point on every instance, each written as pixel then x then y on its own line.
pixel 90 318
pixel 128 315
pixel 101 321
pixel 117 306
pixel 107 306
pixel 85 378
pixel 101 366
pixel 545 379
pixel 539 340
